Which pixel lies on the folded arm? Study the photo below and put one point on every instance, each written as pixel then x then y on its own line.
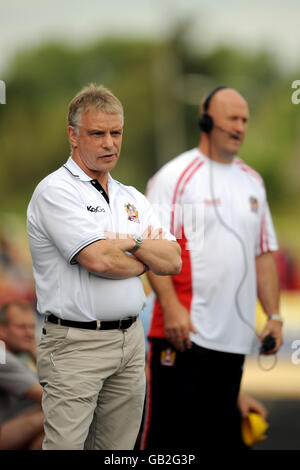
pixel 161 256
pixel 108 259
pixel 111 258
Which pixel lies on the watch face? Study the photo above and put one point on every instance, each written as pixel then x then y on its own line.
pixel 137 238
pixel 138 241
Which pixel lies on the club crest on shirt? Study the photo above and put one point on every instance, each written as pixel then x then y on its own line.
pixel 253 204
pixel 132 212
pixel 167 357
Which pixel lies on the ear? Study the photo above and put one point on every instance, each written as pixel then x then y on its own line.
pixel 73 137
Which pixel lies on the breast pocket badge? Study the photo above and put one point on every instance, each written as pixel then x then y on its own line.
pixel 132 212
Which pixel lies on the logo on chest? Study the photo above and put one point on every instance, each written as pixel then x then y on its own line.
pixel 212 202
pixel 253 204
pixel 95 209
pixel 132 213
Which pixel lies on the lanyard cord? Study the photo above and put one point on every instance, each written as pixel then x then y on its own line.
pixel 244 251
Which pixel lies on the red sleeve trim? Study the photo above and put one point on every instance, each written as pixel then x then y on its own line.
pixel 181 183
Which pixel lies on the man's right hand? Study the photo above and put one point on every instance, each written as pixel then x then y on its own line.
pixel 177 324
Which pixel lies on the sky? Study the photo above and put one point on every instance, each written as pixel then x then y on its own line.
pixel 247 24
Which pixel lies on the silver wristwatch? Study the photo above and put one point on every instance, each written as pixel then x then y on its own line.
pixel 275 316
pixel 138 241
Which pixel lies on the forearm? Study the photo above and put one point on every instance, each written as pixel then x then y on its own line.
pixel 164 289
pixel 106 259
pixel 161 256
pixel 176 318
pixel 267 283
pixel 268 294
pixel 121 266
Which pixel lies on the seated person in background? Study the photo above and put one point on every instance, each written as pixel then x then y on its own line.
pixel 21 416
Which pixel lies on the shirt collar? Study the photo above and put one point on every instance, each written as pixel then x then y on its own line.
pixel 76 171
pixel 79 173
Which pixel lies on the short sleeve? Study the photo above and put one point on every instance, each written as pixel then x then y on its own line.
pixel 59 215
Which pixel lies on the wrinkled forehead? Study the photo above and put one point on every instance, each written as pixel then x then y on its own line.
pixel 98 117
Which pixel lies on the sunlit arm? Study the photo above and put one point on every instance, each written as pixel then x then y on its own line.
pixel 268 294
pixel 163 257
pixel 267 283
pixel 104 258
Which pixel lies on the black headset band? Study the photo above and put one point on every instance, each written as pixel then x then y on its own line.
pixel 210 95
pixel 206 122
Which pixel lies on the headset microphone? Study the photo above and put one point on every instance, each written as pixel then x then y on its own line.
pixel 234 136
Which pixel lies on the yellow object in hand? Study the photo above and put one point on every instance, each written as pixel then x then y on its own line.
pixel 253 429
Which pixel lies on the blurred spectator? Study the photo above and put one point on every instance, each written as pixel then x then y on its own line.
pixel 5 253
pixel 16 282
pixel 21 416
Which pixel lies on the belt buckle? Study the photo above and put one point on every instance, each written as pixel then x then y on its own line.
pixel 126 320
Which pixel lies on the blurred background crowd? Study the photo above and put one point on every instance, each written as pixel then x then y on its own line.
pixel 160 77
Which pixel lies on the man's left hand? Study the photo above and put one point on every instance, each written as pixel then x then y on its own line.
pixel 273 327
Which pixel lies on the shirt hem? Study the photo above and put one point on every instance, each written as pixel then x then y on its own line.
pixel 222 348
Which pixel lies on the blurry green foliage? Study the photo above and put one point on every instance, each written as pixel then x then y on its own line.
pixel 160 115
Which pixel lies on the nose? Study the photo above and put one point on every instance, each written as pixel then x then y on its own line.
pixel 29 330
pixel 108 141
pixel 30 335
pixel 241 126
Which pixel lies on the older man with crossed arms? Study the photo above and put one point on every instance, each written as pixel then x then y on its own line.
pixel 91 238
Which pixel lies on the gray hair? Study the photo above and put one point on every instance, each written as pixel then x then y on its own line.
pixel 93 97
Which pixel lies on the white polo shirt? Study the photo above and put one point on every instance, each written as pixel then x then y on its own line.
pixel 66 213
pixel 210 276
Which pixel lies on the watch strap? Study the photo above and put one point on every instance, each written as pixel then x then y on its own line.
pixel 275 316
pixel 138 241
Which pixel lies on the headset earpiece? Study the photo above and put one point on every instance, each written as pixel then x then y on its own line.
pixel 206 122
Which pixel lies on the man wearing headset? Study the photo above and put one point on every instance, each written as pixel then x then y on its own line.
pixel 203 319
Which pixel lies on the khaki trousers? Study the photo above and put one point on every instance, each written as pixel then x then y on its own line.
pixel 93 386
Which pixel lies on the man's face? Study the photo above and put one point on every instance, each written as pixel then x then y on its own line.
pixel 97 146
pixel 19 333
pixel 230 112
